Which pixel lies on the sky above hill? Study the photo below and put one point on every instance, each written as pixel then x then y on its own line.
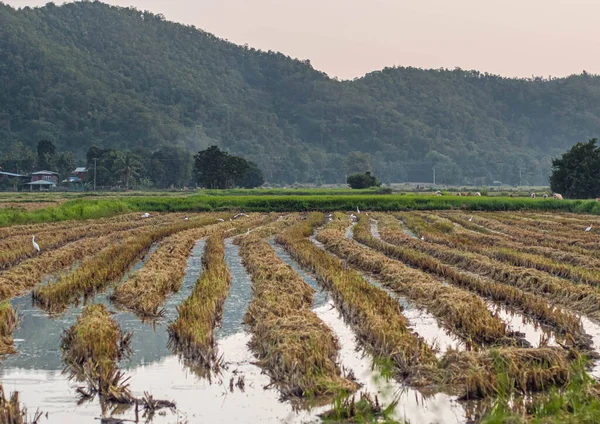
pixel 348 38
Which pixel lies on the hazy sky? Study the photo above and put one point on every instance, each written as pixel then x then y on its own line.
pixel 348 38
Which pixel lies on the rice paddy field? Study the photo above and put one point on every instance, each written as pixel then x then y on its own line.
pixel 420 316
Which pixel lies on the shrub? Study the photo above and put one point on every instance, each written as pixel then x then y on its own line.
pixel 366 180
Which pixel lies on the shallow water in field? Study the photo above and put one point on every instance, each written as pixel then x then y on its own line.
pixel 592 328
pixel 412 405
pixel 320 297
pixel 423 323
pixel 36 371
pixel 515 321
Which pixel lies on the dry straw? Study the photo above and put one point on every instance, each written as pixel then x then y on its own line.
pixel 192 334
pixel 579 297
pixel 564 323
pixel 458 310
pixel 295 347
pixel 375 317
pixel 107 266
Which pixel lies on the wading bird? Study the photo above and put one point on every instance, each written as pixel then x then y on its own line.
pixel 239 215
pixel 357 210
pixel 186 218
pixel 470 219
pixel 35 245
pixel 588 229
pixel 220 220
pixel 146 215
pixel 423 238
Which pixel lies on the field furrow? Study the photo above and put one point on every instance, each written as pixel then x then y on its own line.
pixel 578 297
pixel 295 347
pixel 563 323
pixel 192 333
pixel 457 310
pixel 375 317
pixel 108 265
pixel 145 291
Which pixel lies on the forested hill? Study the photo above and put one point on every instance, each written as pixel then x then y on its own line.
pixel 90 74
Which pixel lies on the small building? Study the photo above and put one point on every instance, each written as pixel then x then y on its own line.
pixel 49 176
pixel 81 173
pixel 11 175
pixel 41 185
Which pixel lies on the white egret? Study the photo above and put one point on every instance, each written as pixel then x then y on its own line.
pixel 588 229
pixel 35 245
pixel 470 219
pixel 422 238
pixel 186 218
pixel 220 220
pixel 357 210
pixel 239 215
pixel 146 215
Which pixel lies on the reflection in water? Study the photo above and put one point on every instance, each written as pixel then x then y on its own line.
pixel 37 338
pixel 533 332
pixel 592 328
pixel 35 372
pixel 412 405
pixel 240 293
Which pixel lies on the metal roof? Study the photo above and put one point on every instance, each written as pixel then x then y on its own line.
pixel 41 182
pixel 10 174
pixel 44 173
pixel 81 169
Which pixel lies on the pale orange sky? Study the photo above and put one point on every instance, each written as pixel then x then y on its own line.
pixel 348 38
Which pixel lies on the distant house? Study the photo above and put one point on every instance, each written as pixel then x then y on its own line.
pixel 11 175
pixel 43 179
pixel 81 173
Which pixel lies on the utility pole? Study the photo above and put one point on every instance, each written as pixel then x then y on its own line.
pixel 520 177
pixel 95 162
pixel 433 176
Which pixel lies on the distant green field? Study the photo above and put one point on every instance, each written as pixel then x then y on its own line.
pixel 90 207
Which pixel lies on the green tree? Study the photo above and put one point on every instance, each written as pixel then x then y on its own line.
pixel 576 174
pixel 365 180
pixel 253 176
pixel 210 168
pixel 127 167
pixel 64 164
pixel 357 162
pixel 46 151
pixel 214 168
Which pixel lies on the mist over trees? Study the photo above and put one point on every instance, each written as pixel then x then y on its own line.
pixel 88 74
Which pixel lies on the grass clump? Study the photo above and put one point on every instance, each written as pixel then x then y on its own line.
pixel 8 323
pixel 295 347
pixel 192 333
pixel 91 349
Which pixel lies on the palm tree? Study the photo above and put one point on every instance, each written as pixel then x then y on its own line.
pixel 127 165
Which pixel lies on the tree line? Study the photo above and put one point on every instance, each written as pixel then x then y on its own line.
pixel 101 78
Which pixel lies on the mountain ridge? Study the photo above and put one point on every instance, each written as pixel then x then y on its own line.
pixel 88 73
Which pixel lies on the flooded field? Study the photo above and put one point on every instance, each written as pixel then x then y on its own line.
pixel 287 324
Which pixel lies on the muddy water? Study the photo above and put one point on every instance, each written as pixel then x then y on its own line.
pixel 320 296
pixel 592 328
pixel 533 333
pixel 423 323
pixel 412 405
pixel 36 370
